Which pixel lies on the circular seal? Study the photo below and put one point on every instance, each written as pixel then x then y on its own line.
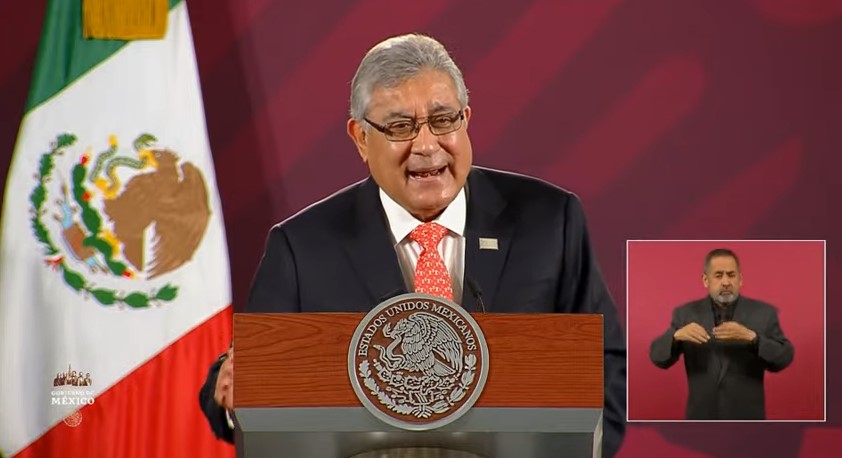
pixel 418 362
pixel 73 420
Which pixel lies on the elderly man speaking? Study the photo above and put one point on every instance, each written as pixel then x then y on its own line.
pixel 523 241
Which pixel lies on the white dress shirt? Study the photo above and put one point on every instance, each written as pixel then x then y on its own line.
pixel 451 248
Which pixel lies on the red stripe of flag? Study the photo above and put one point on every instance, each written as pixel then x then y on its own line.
pixel 153 411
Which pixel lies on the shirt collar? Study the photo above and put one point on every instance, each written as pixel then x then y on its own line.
pixel 401 222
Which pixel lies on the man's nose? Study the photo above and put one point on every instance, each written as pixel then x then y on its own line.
pixel 425 142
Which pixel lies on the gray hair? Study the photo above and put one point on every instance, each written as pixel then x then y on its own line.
pixel 397 59
pixel 721 252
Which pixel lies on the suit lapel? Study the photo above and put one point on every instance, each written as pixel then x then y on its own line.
pixel 370 248
pixel 705 315
pixel 484 226
pixel 742 312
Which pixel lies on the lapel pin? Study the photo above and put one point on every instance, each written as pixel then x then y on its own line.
pixel 488 244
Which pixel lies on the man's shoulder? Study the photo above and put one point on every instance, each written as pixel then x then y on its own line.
pixel 514 186
pixel 517 182
pixel 332 211
pixel 693 306
pixel 703 303
pixel 342 206
pixel 757 305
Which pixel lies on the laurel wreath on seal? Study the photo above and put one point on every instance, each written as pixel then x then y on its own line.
pixel 92 222
pixel 419 410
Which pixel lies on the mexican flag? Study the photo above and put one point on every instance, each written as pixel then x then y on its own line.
pixel 114 281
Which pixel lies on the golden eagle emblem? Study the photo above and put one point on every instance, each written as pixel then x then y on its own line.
pixel 132 215
pixel 172 201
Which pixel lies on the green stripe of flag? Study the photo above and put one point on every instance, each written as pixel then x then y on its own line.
pixel 63 55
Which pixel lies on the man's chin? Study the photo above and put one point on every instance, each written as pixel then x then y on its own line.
pixel 725 299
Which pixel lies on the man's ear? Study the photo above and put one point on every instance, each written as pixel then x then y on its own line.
pixel 468 112
pixel 705 280
pixel 357 132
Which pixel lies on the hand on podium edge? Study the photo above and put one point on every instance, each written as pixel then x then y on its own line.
pixel 224 392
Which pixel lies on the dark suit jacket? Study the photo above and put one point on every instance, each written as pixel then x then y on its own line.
pixel 725 378
pixel 337 255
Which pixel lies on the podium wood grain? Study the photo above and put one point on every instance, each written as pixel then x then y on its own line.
pixel 301 360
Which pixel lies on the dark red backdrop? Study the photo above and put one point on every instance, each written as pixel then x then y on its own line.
pixel 671 119
pixel 789 275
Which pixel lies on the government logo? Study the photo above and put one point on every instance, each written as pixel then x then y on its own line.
pixel 76 393
pixel 418 362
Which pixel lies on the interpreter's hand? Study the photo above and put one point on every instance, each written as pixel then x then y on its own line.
pixel 224 392
pixel 731 330
pixel 692 332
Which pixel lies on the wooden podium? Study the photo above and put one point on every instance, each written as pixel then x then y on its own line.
pixel 543 396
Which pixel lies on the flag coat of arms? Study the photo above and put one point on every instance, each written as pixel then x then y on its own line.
pixel 114 281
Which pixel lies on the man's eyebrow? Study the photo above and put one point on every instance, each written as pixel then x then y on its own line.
pixel 437 107
pixel 398 115
pixel 724 272
pixel 434 108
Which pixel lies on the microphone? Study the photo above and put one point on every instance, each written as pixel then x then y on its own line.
pixel 476 291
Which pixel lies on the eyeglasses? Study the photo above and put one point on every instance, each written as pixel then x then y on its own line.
pixel 405 130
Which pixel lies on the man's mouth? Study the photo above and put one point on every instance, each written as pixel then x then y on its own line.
pixel 427 173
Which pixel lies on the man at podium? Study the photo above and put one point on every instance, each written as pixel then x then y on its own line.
pixel 427 220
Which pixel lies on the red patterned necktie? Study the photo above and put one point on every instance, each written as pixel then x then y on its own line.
pixel 431 275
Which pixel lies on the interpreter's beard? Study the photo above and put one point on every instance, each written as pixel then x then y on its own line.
pixel 724 297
